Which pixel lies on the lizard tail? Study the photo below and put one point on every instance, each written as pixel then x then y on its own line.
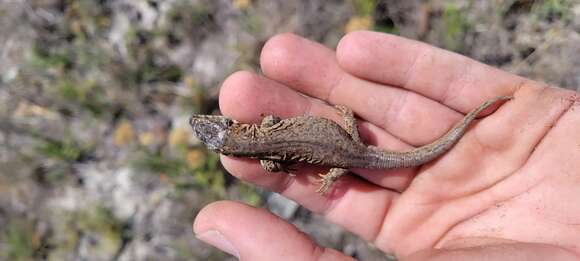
pixel 433 150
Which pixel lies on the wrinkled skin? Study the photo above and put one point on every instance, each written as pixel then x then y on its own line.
pixel 508 190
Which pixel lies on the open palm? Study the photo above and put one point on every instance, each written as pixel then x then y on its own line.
pixel 509 188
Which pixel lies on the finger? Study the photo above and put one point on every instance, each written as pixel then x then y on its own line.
pixel 248 97
pixel 356 206
pixel 452 79
pixel 311 68
pixel 243 231
pixel 350 197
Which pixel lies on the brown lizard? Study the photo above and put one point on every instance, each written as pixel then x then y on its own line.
pixel 278 143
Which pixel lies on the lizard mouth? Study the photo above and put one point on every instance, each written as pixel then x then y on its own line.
pixel 211 130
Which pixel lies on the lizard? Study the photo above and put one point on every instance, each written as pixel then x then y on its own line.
pixel 279 143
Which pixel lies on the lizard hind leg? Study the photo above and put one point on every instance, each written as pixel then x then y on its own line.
pixel 326 180
pixel 350 121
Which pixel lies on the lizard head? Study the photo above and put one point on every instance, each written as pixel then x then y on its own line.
pixel 211 130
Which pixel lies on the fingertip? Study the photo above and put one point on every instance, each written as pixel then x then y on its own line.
pixel 243 231
pixel 205 218
pixel 277 51
pixel 247 97
pixel 353 47
pixel 351 44
pixel 301 64
pixel 233 82
pixel 357 52
pixel 235 91
pixel 214 225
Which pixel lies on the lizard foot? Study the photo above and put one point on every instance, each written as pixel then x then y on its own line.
pixel 274 166
pixel 326 180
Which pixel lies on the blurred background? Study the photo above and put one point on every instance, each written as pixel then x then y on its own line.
pixel 97 161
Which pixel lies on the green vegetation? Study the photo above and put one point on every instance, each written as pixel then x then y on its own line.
pixel 20 240
pixel 161 164
pixel 207 175
pixel 371 9
pixel 107 233
pixel 101 221
pixel 86 74
pixel 66 150
pixel 456 25
pixel 554 10
pixel 386 27
pixel 44 58
pixel 364 7
pixel 185 17
pixel 253 23
pixel 87 77
pixel 250 195
pixel 199 13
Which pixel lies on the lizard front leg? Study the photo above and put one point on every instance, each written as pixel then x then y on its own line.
pixel 350 121
pixel 269 121
pixel 270 165
pixel 274 166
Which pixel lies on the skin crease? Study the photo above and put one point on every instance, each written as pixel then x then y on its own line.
pixel 507 191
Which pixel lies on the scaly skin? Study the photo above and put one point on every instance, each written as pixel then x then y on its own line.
pixel 282 142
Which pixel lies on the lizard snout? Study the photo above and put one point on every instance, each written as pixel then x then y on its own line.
pixel 211 130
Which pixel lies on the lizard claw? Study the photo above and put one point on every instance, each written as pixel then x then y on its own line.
pixel 325 182
pixel 324 186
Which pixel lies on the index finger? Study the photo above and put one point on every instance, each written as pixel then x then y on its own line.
pixel 449 78
pixel 311 68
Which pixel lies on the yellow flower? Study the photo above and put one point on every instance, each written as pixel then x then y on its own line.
pixel 242 4
pixel 178 137
pixel 194 158
pixel 124 134
pixel 359 23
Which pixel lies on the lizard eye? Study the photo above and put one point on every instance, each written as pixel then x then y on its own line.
pixel 229 122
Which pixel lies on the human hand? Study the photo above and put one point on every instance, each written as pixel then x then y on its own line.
pixel 508 189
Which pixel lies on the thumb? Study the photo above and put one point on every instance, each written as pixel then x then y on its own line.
pixel 250 233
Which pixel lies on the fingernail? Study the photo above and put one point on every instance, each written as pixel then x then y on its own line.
pixel 217 239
